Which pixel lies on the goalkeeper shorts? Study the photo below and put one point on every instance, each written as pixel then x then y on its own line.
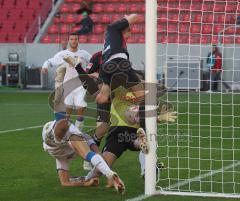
pixel 120 139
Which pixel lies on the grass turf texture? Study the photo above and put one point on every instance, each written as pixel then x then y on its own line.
pixel 28 173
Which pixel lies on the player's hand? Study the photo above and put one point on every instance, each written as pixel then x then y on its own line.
pixel 94 75
pixel 44 70
pixel 167 117
pixel 92 182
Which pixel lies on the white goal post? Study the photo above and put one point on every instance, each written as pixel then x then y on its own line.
pixel 201 150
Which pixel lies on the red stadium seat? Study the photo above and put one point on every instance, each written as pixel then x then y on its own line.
pixel 228 40
pixel 3 37
pixel 110 8
pixel 219 7
pixel 47 39
pixel 95 18
pixel 64 29
pixel 82 39
pixel 230 30
pixel 194 39
pixel 98 29
pixel 186 18
pixel 21 26
pixel 14 15
pixel 131 39
pixel 74 7
pixel 116 17
pixel 184 28
pixel 93 39
pixel 207 29
pixel 161 28
pixel 208 18
pixel 172 28
pixel 183 39
pixel 214 39
pixel 133 8
pixel 105 18
pixel 98 8
pixel 56 39
pixel 34 4
pixel 75 28
pixel 135 29
pixel 195 28
pixel 60 19
pixel 9 4
pixel 162 17
pixel 237 40
pixel 21 4
pixel 141 39
pixel 204 40
pixel 70 18
pixel 122 8
pixel 142 8
pixel 64 8
pixel 173 17
pixel 197 18
pixel 53 29
pixel 219 19
pixel 162 39
pixel 70 1
pixel 218 29
pixel 231 7
pixel 8 26
pixel 15 38
pixel 141 19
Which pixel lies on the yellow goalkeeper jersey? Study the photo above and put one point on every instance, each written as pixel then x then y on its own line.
pixel 119 106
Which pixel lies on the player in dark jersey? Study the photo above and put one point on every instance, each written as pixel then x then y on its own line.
pixel 116 69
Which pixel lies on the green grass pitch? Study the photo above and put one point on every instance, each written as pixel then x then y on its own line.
pixel 27 173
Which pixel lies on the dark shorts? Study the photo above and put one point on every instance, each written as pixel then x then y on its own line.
pixel 120 139
pixel 118 72
pixel 103 112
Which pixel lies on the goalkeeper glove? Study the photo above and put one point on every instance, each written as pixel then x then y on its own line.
pixel 167 117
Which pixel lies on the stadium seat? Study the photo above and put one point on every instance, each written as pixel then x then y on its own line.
pixel 122 8
pixel 70 1
pixel 95 18
pixel 14 15
pixel 64 29
pixel 135 29
pixel 183 39
pixel 82 39
pixel 105 19
pixel 74 7
pixel 194 39
pixel 3 37
pixel 133 8
pixel 237 40
pixel 110 8
pixel 131 39
pixel 98 8
pixel 116 17
pixel 228 40
pixel 214 39
pixel 70 18
pixel 195 28
pixel 60 19
pixel 21 4
pixel 230 30
pixel 21 26
pixel 142 8
pixel 219 7
pixel 186 17
pixel 162 39
pixel 7 26
pixel 208 18
pixel 56 39
pixel 141 19
pixel 141 39
pixel 207 29
pixel 93 39
pixel 204 40
pixel 184 28
pixel 15 38
pixel 231 7
pixel 161 28
pixel 47 39
pixel 64 8
pixel 173 17
pixel 172 28
pixel 34 4
pixel 162 17
pixel 218 28
pixel 53 29
pixel 197 18
pixel 98 29
pixel 9 4
pixel 219 19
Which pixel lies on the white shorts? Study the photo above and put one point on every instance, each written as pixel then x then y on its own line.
pixel 76 98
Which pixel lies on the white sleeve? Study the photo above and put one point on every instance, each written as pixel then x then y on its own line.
pixel 55 61
pixel 62 164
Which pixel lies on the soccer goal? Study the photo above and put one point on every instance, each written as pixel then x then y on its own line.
pixel 201 150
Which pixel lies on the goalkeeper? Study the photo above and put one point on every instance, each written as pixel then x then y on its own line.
pixel 125 132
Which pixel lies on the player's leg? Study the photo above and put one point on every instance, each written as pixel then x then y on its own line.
pixel 103 117
pixel 83 150
pixel 69 103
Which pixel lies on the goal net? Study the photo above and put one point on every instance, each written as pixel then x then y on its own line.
pixel 201 150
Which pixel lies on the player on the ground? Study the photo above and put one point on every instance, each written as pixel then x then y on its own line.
pixel 74 99
pixel 64 141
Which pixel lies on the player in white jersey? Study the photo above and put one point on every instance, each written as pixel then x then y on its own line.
pixel 64 141
pixel 74 92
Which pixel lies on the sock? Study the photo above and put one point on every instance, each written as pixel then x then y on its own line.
pixel 92 173
pixel 96 140
pixel 142 162
pixel 79 123
pixel 99 163
pixel 59 115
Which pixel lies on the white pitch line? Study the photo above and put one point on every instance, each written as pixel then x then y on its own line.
pixel 197 178
pixel 19 129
